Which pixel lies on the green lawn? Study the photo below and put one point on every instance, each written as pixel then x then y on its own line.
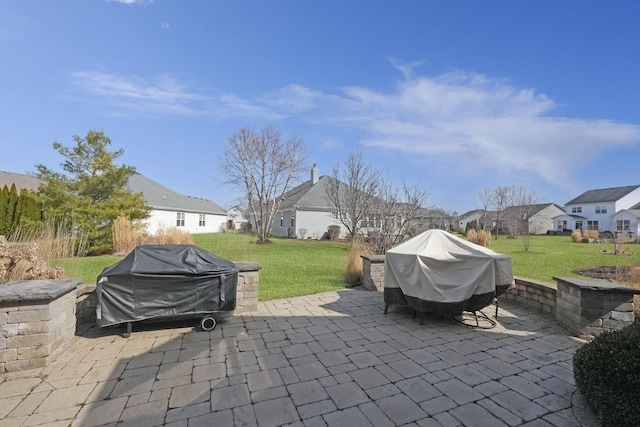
pixel 301 267
pixel 553 256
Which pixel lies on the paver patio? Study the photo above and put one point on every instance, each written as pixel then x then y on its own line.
pixel 332 359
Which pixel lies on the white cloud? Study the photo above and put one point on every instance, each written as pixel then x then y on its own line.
pixel 165 26
pixel 461 119
pixel 161 96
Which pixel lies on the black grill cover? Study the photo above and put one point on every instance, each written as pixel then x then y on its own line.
pixel 164 281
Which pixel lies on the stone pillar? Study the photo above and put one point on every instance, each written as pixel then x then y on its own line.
pixel 589 307
pixel 373 272
pixel 248 281
pixel 37 322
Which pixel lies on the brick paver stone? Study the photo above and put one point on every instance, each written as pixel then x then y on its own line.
pixel 472 414
pixel 229 397
pixel 66 397
pixel 307 392
pixel 264 379
pixel 400 409
pixel 368 378
pixel 458 391
pixel 99 413
pixel 276 412
pixel 347 394
pixel 189 394
pixel 418 389
pixel 347 417
pixel 19 387
pixel 222 418
pixel 209 372
pixel 519 405
pixel 309 371
pixel 244 416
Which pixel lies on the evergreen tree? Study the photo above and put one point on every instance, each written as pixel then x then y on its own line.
pixel 10 210
pixel 91 192
pixel 4 202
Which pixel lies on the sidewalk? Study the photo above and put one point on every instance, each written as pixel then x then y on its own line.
pixel 332 359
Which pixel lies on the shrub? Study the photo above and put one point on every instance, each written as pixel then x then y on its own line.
pixel 606 373
pixel 334 232
pixel 576 236
pixel 171 236
pixel 353 272
pixel 479 237
pixel 127 234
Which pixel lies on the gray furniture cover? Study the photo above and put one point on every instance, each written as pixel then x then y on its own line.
pixel 156 281
pixel 439 272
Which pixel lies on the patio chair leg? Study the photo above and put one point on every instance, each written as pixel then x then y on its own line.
pixel 386 308
pixel 496 302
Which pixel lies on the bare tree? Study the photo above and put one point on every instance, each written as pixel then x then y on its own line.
pixel 502 199
pixel 525 198
pixel 352 192
pixel 264 167
pixel 485 201
pixel 396 215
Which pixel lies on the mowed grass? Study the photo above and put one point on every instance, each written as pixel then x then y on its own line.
pixel 289 267
pixel 558 256
pixel 301 267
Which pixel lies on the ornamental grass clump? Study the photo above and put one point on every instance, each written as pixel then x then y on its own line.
pixel 576 236
pixel 607 373
pixel 353 272
pixel 479 237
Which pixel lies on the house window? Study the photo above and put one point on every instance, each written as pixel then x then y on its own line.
pixel 180 219
pixel 562 225
pixel 601 209
pixel 592 225
pixel 578 225
pixel 576 209
pixel 623 225
pixel 334 215
pixel 202 220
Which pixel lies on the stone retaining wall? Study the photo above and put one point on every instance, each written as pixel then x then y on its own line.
pixel 37 322
pixel 373 272
pixel 540 296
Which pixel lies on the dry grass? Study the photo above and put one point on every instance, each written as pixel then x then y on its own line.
pixel 590 234
pixel 576 236
pixel 26 254
pixel 129 234
pixel 353 272
pixel 479 237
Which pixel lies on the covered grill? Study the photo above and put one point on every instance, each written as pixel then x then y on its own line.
pixel 439 272
pixel 166 281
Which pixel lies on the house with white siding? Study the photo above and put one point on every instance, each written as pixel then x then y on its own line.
pixel 606 209
pixel 171 209
pixel 306 211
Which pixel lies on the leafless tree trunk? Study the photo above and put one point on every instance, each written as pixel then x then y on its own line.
pixel 352 192
pixel 485 199
pixel 525 198
pixel 397 213
pixel 264 167
pixel 502 199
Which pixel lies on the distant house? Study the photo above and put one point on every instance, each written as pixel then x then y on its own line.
pixel 478 215
pixel 170 209
pixel 627 220
pixel 306 210
pixel 236 217
pixel 540 217
pixel 606 209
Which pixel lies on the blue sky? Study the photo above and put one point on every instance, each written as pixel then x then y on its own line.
pixel 452 95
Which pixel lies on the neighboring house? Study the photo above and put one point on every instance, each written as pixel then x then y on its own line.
pixel 627 220
pixel 306 210
pixel 236 218
pixel 21 181
pixel 601 210
pixel 170 209
pixel 479 215
pixel 540 216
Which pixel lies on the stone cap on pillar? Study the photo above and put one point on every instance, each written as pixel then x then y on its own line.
pixel 36 290
pixel 597 285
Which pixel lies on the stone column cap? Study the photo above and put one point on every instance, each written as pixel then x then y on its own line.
pixel 247 265
pixel 597 285
pixel 37 290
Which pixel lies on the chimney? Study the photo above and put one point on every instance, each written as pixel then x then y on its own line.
pixel 314 174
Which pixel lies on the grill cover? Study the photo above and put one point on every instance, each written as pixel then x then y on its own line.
pixel 164 281
pixel 439 272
